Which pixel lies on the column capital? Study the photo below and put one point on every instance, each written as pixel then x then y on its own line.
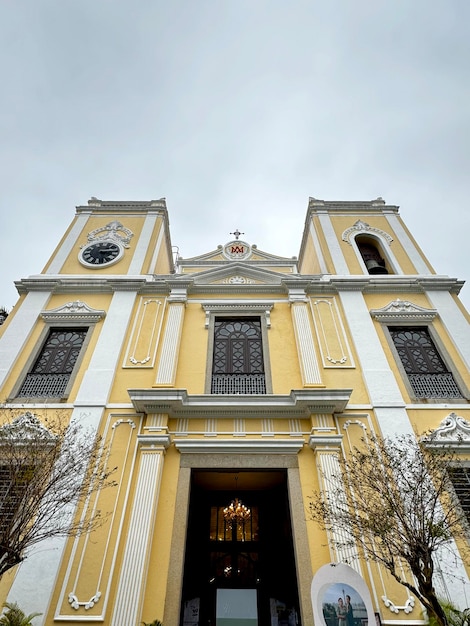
pixel 154 442
pixel 329 443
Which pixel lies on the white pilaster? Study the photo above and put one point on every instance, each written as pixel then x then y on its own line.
pixel 327 450
pixel 128 603
pixel 98 378
pixel 143 243
pixel 339 262
pixel 69 244
pixel 318 250
pixel 454 321
pixel 305 344
pixel 171 340
pixel 379 379
pixel 18 331
pixel 407 243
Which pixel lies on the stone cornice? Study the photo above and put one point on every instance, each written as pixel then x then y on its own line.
pixel 300 403
pixel 96 205
pixel 233 446
pixel 395 284
pixel 314 284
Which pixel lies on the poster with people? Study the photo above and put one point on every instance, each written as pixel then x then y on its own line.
pixel 342 605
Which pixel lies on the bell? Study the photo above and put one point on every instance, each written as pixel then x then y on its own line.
pixel 374 267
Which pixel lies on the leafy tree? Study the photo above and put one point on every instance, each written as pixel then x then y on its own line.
pixel 47 468
pixel 14 616
pixel 392 498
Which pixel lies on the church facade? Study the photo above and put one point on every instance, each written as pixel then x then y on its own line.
pixel 225 386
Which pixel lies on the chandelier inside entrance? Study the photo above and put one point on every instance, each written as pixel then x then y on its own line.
pixel 236 513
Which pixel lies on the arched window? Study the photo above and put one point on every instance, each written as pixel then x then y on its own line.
pixel 371 255
pixel 52 369
pixel 238 364
pixel 428 374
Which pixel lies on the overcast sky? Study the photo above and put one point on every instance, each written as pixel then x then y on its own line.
pixel 236 111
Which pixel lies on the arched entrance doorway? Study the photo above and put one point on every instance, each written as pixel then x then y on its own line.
pixel 239 570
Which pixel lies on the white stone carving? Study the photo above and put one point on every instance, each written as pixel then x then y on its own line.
pixel 24 427
pixel 76 604
pixel 237 250
pixel 453 431
pixel 403 310
pixel 406 608
pixel 73 312
pixel 363 227
pixel 238 280
pixel 114 231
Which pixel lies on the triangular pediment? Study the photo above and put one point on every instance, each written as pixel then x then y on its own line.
pixel 238 274
pixel 235 252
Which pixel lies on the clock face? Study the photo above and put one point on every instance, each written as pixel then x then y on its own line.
pixel 100 253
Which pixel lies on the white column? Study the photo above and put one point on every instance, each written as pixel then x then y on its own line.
pixel 131 587
pixel 304 338
pixel 327 450
pixel 171 339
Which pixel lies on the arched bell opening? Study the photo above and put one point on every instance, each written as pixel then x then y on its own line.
pixel 371 253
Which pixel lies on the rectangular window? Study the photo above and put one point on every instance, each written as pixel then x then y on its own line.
pixel 426 371
pixel 51 371
pixel 238 363
pixel 460 477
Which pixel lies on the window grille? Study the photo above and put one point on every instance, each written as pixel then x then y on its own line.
pixel 238 364
pixel 426 371
pixel 51 371
pixel 460 477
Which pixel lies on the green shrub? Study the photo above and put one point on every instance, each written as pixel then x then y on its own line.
pixel 14 616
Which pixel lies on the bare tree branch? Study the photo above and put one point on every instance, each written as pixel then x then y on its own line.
pixel 48 467
pixel 398 510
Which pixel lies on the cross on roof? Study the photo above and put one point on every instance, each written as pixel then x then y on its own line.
pixel 237 233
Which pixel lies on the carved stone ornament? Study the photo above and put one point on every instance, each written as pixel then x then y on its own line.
pixel 403 310
pixel 238 280
pixel 114 231
pixel 88 604
pixel 363 227
pixel 237 250
pixel 453 431
pixel 25 427
pixel 76 312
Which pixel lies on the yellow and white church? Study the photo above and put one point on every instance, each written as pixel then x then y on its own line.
pixel 226 386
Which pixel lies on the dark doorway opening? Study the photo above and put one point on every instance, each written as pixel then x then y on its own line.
pixel 253 552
